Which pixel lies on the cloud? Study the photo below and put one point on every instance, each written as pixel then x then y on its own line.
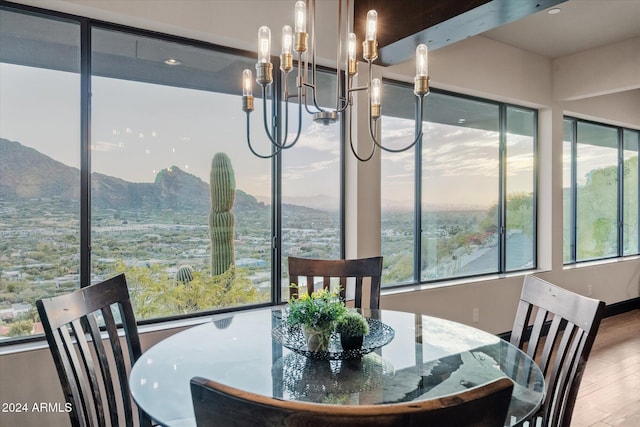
pixel 520 163
pixel 105 147
pixel 299 172
pixel 318 137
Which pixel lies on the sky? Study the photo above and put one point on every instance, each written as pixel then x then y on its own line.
pixel 140 128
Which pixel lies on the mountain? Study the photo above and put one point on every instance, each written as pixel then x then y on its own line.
pixel 28 174
pixel 318 201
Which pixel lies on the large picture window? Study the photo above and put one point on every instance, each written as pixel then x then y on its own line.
pixel 39 166
pixel 476 177
pixel 601 191
pixel 161 111
pixel 157 126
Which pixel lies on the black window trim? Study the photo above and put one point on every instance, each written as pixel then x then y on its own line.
pixel 620 130
pixel 502 128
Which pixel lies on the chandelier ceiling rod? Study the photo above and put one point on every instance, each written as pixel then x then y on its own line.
pixel 297 40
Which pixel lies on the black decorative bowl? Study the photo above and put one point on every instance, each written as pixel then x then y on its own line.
pixel 292 338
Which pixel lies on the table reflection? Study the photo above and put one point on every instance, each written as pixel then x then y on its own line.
pixel 330 381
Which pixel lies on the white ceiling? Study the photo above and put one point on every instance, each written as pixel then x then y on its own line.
pixel 580 25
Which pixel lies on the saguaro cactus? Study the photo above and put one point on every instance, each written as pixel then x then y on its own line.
pixel 221 220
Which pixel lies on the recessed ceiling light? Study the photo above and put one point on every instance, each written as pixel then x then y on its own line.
pixel 172 61
pixel 553 11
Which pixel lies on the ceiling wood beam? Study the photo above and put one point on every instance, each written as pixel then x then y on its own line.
pixel 403 24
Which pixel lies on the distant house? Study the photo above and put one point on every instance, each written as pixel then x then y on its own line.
pixel 37 328
pixel 12 275
pixel 15 310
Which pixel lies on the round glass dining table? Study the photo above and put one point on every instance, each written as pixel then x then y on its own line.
pixel 426 357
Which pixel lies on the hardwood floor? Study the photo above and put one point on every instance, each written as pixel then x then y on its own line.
pixel 610 390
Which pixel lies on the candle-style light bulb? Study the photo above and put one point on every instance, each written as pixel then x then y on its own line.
pixel 247 93
pixel 286 58
pixel 351 47
pixel 372 24
pixel 247 83
pixel 422 60
pixel 300 27
pixel 264 44
pixel 375 92
pixel 421 80
pixel 370 44
pixel 300 17
pixel 376 108
pixel 287 40
pixel 352 62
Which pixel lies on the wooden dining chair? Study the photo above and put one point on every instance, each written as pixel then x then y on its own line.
pixel 93 368
pixel 341 269
pixel 217 404
pixel 572 322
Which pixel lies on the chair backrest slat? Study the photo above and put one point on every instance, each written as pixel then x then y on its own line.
pixel 77 388
pixel 341 269
pixel 119 362
pixel 105 372
pixel 550 343
pixel 90 387
pixel 574 323
pixel 216 404
pixel 536 332
pixel 94 377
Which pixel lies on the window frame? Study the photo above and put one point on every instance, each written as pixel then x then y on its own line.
pixel 502 188
pixel 573 122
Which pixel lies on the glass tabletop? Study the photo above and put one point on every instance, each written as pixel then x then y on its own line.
pixel 427 358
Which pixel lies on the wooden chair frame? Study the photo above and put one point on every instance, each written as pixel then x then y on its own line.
pixel 338 268
pixel 82 360
pixel 572 322
pixel 216 404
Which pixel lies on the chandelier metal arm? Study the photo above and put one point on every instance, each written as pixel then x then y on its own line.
pixel 341 103
pixel 313 99
pixel 286 128
pixel 264 117
pixel 255 153
pixel 372 120
pixel 272 139
pixel 353 150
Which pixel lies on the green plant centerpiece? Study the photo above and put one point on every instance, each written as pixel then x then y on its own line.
pixel 352 327
pixel 317 315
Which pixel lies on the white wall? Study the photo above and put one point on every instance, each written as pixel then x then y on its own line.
pixel 475 66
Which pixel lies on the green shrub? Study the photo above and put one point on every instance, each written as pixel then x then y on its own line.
pixel 352 324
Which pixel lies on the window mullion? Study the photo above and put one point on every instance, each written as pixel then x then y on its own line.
pixel 85 153
pixel 417 209
pixel 502 186
pixel 276 193
pixel 574 191
pixel 621 184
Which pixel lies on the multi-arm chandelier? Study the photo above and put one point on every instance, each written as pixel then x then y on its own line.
pixel 277 131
